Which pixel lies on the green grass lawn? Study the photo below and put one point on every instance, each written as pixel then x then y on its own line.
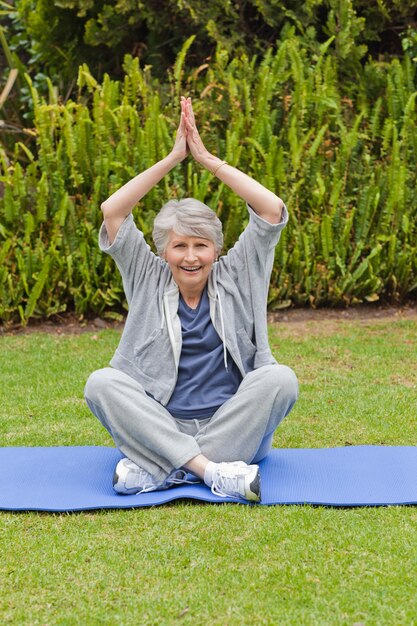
pixel 191 563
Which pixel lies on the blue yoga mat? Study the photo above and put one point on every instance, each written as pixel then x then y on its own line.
pixel 80 478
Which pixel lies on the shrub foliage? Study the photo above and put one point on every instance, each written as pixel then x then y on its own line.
pixel 342 156
pixel 55 36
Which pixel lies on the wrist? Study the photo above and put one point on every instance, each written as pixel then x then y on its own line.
pixel 217 167
pixel 210 162
pixel 173 159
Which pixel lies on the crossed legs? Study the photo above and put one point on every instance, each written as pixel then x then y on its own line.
pixel 145 432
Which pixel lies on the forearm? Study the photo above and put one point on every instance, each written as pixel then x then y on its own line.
pixel 121 203
pixel 264 202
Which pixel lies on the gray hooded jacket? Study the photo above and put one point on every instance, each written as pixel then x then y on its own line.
pixel 150 347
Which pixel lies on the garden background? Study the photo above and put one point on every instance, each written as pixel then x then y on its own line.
pixel 317 100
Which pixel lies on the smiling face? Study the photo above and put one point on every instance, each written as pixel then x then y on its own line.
pixel 190 260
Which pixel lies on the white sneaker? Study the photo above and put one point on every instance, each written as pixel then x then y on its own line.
pixel 129 478
pixel 237 480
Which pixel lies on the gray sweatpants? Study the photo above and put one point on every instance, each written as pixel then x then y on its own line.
pixel 240 430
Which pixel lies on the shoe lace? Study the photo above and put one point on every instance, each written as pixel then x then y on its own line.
pixel 148 482
pixel 146 488
pixel 181 477
pixel 177 477
pixel 225 484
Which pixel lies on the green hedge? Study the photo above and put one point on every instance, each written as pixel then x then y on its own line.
pixel 343 157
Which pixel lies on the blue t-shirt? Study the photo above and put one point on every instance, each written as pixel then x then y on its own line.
pixel 204 383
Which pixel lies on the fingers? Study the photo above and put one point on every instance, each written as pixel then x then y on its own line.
pixel 187 108
pixel 194 142
pixel 190 111
pixel 182 127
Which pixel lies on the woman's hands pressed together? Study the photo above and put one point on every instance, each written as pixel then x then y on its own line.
pixel 194 141
pixel 188 140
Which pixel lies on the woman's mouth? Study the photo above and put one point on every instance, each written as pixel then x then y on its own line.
pixel 190 270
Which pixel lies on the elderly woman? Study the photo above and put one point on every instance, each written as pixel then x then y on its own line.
pixel 193 387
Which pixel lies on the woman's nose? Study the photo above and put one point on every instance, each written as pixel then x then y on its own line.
pixel 190 255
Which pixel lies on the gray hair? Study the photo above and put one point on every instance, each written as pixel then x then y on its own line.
pixel 188 217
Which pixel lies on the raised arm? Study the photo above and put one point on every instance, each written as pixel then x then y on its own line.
pixel 121 203
pixel 263 201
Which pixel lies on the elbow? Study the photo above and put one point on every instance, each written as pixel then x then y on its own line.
pixel 271 210
pixel 107 210
pixel 278 210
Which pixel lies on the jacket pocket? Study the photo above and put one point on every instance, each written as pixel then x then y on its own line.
pixel 247 349
pixel 154 356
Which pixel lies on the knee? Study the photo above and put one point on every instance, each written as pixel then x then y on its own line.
pixel 98 383
pixel 283 379
pixel 289 383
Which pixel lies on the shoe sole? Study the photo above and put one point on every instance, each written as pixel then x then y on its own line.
pixel 255 488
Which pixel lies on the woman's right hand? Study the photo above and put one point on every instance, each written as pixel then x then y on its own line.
pixel 181 149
